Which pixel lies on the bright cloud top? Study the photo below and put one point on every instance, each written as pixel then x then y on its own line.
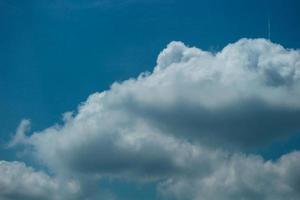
pixel 244 96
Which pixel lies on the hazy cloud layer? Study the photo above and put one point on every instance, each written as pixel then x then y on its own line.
pixel 173 124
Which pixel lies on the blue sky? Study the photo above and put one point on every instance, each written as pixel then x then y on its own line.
pixel 54 54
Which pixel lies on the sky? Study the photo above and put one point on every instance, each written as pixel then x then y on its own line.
pixel 140 99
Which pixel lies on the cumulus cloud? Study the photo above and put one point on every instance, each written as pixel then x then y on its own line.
pixel 245 95
pixel 173 124
pixel 19 182
pixel 241 177
pixel 136 152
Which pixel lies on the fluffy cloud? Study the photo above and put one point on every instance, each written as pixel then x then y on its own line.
pixel 172 124
pixel 136 152
pixel 241 177
pixel 19 182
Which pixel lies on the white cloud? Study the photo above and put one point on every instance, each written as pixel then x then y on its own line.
pixel 135 152
pixel 241 177
pixel 20 135
pixel 19 182
pixel 174 123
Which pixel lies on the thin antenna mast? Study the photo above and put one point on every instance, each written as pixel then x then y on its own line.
pixel 269 28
